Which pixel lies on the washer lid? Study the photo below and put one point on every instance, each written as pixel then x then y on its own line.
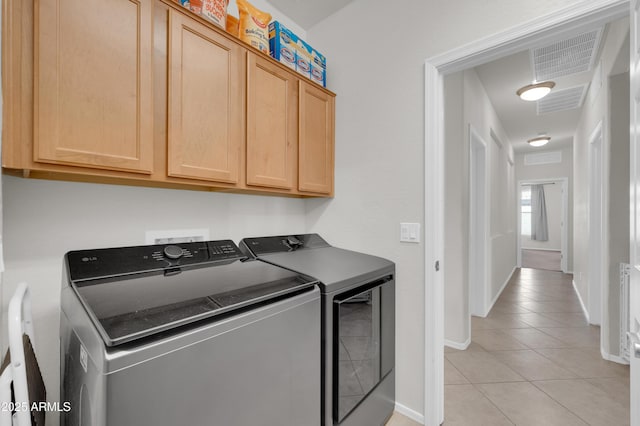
pixel 335 268
pixel 309 254
pixel 136 304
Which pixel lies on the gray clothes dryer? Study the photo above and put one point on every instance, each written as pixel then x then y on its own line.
pixel 188 334
pixel 358 324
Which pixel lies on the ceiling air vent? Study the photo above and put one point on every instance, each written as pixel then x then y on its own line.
pixel 570 56
pixel 562 100
pixel 539 158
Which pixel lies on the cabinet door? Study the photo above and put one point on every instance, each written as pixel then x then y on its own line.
pixel 205 102
pixel 272 124
pixel 93 97
pixel 316 140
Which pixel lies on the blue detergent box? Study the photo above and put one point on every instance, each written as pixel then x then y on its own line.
pixel 297 54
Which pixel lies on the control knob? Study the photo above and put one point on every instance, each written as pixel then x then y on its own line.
pixel 292 242
pixel 173 252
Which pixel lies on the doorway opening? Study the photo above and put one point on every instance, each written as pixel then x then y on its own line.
pixel 568 21
pixel 552 253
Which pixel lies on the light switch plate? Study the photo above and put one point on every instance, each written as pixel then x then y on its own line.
pixel 410 232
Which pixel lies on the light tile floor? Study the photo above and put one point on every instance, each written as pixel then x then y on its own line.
pixel 534 361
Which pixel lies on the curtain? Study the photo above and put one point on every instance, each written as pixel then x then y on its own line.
pixel 539 226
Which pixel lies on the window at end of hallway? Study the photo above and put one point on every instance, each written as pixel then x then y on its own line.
pixel 525 211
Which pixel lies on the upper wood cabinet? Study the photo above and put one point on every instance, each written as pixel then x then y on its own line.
pixel 145 92
pixel 206 102
pixel 316 140
pixel 272 124
pixel 92 84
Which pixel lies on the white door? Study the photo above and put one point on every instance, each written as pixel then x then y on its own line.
pixel 634 299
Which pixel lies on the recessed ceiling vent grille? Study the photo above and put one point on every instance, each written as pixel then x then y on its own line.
pixel 566 57
pixel 562 100
pixel 539 158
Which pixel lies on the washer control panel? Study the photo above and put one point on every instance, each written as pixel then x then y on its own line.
pixel 104 263
pixel 255 247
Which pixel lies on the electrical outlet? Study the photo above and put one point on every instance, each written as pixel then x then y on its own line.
pixel 174 236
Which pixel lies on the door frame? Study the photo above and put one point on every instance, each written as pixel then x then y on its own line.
pixel 564 217
pixel 565 22
pixel 634 207
pixel 598 228
pixel 479 248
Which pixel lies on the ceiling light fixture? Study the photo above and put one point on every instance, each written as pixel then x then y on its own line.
pixel 539 141
pixel 535 91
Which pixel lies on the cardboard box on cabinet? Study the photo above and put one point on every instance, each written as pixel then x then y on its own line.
pixel 286 47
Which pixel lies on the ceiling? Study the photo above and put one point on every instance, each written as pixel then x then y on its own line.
pixel 520 119
pixel 307 13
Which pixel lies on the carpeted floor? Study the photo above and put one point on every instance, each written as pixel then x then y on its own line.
pixel 541 259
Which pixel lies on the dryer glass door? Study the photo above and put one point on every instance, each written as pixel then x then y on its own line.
pixel 358 341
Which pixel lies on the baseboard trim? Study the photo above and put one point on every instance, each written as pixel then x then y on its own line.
pixel 540 249
pixel 584 310
pixel 613 358
pixel 459 346
pixel 495 299
pixel 408 412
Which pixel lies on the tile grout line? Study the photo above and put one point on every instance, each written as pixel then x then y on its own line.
pixel 492 403
pixel 559 403
pixel 459 372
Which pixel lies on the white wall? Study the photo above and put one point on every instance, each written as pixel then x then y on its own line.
pixel 276 15
pixel 564 169
pixel 456 233
pixel 593 112
pixel 553 202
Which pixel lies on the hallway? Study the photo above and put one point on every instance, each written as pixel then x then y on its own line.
pixel 535 361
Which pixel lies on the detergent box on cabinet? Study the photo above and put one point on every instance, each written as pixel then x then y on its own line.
pixel 297 54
